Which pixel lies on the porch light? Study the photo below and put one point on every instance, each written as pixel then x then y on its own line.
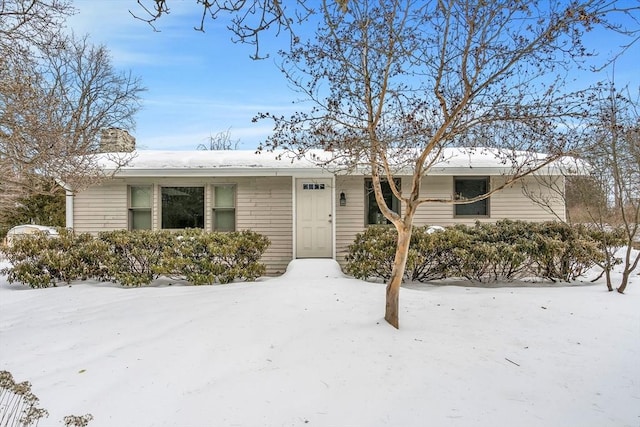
pixel 343 199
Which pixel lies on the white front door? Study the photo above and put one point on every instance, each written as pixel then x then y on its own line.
pixel 314 225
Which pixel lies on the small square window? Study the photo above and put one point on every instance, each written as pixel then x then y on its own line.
pixel 468 188
pixel 373 213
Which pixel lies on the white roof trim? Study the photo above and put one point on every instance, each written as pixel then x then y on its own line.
pixel 150 163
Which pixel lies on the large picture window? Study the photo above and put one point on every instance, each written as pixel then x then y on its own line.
pixel 373 213
pixel 140 207
pixel 468 188
pixel 224 208
pixel 182 207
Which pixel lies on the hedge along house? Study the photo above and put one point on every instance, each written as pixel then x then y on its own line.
pixel 306 211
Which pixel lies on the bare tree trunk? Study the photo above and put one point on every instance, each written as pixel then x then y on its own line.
pixel 609 263
pixel 399 265
pixel 629 266
pixel 609 283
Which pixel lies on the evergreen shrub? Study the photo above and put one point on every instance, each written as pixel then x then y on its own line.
pixel 505 250
pixel 204 258
pixel 135 258
pixel 41 260
pixel 562 252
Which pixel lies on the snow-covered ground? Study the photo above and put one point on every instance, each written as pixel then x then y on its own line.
pixel 311 348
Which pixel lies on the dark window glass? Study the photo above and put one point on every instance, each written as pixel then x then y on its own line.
pixel 468 188
pixel 374 215
pixel 182 207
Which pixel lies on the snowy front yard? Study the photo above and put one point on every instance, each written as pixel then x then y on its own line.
pixel 311 348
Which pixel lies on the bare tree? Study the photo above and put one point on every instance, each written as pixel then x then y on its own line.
pixel 606 195
pixel 614 155
pixel 54 100
pixel 248 18
pixel 28 23
pixel 220 141
pixel 393 83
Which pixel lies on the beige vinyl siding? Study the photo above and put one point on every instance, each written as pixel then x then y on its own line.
pixel 101 208
pixel 264 205
pixel 509 203
pixel 435 213
pixel 350 218
pixel 512 203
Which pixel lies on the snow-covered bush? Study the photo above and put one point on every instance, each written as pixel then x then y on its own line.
pixel 205 258
pixel 491 252
pixel 134 258
pixel 40 261
pixel 431 255
pixel 561 252
pixel 505 250
pixel 371 254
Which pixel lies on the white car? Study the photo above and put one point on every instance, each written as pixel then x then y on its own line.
pixel 21 230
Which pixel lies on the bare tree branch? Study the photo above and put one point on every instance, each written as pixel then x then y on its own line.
pixel 395 82
pixel 248 18
pixel 54 101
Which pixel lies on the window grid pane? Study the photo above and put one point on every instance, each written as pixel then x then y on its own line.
pixel 374 215
pixel 140 219
pixel 468 188
pixel 140 197
pixel 224 219
pixel 224 197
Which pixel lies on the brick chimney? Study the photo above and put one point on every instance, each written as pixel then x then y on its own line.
pixel 115 140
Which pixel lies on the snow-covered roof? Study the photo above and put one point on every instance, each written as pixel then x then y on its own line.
pixel 452 161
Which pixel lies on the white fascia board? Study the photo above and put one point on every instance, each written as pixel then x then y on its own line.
pixel 314 172
pixel 189 173
pixel 485 171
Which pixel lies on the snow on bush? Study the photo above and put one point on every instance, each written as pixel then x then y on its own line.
pixel 504 251
pixel 135 258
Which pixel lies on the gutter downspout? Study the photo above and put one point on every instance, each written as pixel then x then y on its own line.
pixel 69 199
pixel 69 209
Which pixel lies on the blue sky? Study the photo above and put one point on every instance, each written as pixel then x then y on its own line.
pixel 200 84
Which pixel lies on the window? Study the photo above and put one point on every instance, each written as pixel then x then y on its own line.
pixel 182 207
pixel 374 216
pixel 140 207
pixel 313 186
pixel 468 188
pixel 224 208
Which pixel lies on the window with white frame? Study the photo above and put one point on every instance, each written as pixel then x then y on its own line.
pixel 372 211
pixel 467 188
pixel 140 197
pixel 224 208
pixel 182 207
